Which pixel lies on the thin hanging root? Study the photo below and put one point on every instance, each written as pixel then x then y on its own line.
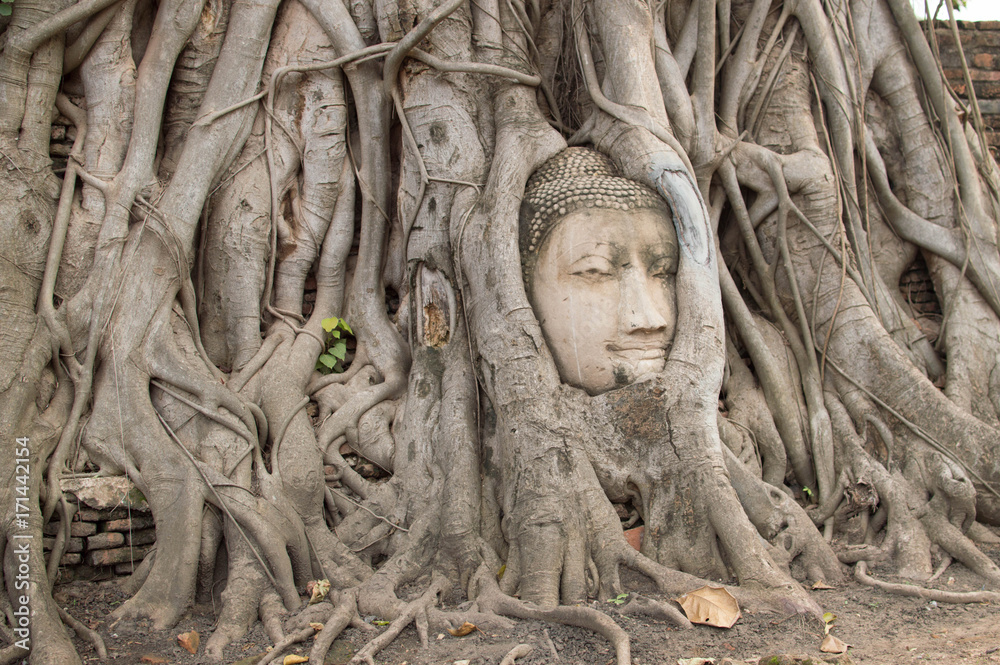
pixel 439 584
pixel 85 633
pixel 66 511
pixel 861 574
pixel 520 651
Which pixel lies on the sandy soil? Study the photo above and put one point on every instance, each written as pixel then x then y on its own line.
pixel 882 629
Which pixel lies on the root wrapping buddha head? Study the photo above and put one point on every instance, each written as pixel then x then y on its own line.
pixel 599 257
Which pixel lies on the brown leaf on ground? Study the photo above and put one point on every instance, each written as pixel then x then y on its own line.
pixel 316 626
pixel 833 644
pixel 153 659
pixel 462 630
pixel 292 659
pixel 190 641
pixel 711 606
pixel 821 585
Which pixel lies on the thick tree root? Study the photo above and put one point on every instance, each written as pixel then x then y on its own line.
pixel 520 651
pixel 344 614
pixel 653 608
pixel 84 632
pixel 491 599
pixel 300 635
pixel 959 597
pixel 414 611
pixel 792 599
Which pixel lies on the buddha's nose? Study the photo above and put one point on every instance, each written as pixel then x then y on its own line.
pixel 638 310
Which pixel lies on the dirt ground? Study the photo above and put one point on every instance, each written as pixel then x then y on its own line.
pixel 882 629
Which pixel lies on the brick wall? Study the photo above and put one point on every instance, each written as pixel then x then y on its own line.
pixel 981 43
pixel 111 530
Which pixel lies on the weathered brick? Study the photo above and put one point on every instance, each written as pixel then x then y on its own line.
pixel 136 523
pixel 983 61
pixel 989 90
pixel 91 515
pixel 126 568
pixel 984 75
pixel 144 537
pixel 70 559
pixel 76 529
pixel 104 541
pixel 111 557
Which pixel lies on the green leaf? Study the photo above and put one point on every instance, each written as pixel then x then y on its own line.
pixel 334 333
pixel 343 326
pixel 339 350
pixel 5 9
pixel 328 360
pixel 330 323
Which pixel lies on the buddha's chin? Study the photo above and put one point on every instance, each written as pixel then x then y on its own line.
pixel 629 371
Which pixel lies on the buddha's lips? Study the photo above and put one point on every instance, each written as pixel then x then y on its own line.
pixel 638 352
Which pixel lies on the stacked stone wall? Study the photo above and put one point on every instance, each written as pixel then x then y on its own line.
pixel 111 530
pixel 981 44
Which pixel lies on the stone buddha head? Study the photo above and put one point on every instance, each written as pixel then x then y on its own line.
pixel 599 256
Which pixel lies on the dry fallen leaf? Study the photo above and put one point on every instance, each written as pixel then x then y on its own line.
pixel 821 585
pixel 319 589
pixel 292 659
pixel 190 641
pixel 832 644
pixel 316 626
pixel 462 630
pixel 695 661
pixel 828 619
pixel 712 606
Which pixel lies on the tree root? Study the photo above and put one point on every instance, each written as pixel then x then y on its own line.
pixel 300 635
pixel 84 632
pixel 958 597
pixel 792 599
pixel 653 608
pixel 491 599
pixel 344 614
pixel 520 651
pixel 11 654
pixel 412 612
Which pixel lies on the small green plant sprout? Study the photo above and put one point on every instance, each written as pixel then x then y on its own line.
pixel 619 599
pixel 6 7
pixel 331 361
pixel 808 492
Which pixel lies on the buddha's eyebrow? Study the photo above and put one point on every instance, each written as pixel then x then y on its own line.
pixel 657 253
pixel 590 247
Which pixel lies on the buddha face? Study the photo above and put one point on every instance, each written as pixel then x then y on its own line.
pixel 603 291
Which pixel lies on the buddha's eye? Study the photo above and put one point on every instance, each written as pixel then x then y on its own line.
pixel 592 267
pixel 662 268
